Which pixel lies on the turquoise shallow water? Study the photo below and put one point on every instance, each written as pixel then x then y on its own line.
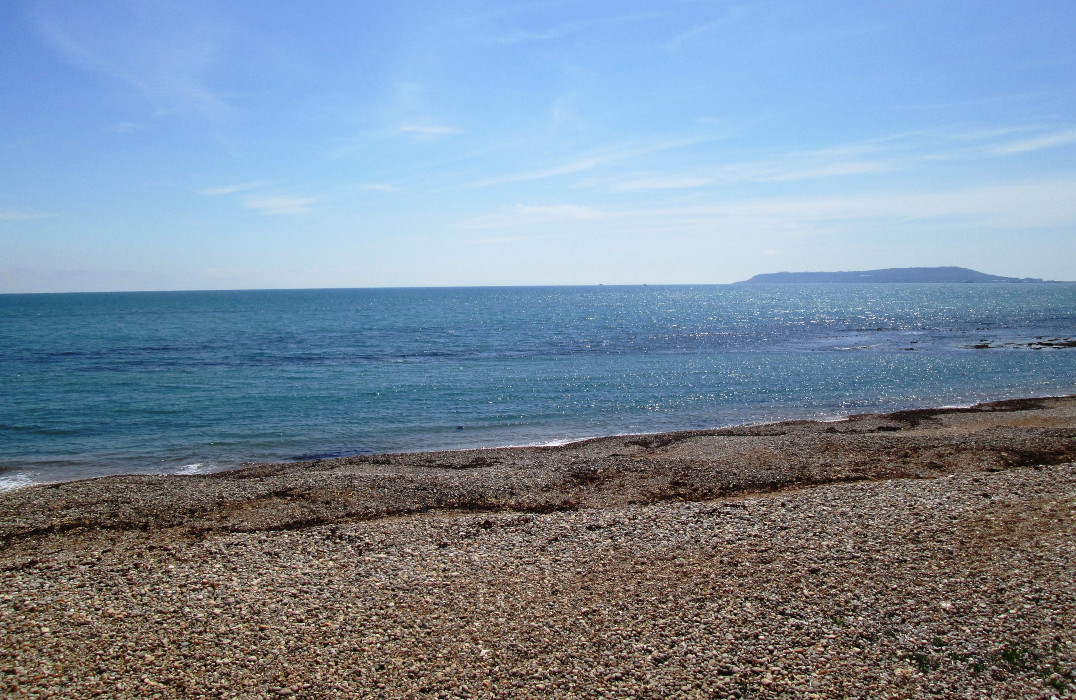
pixel 95 384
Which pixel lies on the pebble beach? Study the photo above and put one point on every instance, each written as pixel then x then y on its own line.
pixel 923 553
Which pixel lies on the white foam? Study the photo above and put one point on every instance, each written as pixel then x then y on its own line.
pixel 190 469
pixel 10 482
pixel 559 442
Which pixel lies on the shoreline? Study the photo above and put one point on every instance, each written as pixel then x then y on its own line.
pixel 917 553
pixel 185 469
pixel 593 472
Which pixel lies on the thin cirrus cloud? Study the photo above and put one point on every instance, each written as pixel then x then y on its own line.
pixel 377 187
pixel 127 127
pixel 830 170
pixel 541 173
pixel 749 173
pixel 592 160
pixel 569 28
pixel 1042 203
pixel 731 15
pixel 279 205
pixel 166 62
pixel 24 214
pixel 426 130
pixel 528 215
pixel 229 189
pixel 660 183
pixel 1039 143
pixel 678 41
pixel 1047 203
pixel 348 146
pixel 266 205
pixel 898 152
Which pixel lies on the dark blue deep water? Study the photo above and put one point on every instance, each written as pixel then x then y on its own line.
pixel 94 384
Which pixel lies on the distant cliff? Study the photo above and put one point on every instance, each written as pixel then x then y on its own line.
pixel 892 274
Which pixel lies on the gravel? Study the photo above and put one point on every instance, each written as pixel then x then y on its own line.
pixel 921 554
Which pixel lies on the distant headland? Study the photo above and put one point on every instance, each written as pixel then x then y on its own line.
pixel 892 274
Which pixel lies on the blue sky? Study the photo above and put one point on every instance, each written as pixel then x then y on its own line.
pixel 219 145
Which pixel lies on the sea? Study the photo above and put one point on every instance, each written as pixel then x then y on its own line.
pixel 192 382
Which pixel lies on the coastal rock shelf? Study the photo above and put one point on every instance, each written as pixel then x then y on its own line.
pixel 920 553
pixel 1037 344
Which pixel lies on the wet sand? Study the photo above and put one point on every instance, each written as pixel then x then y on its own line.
pixel 920 553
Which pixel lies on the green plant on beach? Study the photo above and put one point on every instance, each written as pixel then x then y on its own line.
pixel 923 661
pixel 1055 677
pixel 1016 656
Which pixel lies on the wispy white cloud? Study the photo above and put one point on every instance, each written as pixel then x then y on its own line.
pixel 982 134
pixel 821 171
pixel 1038 143
pixel 894 153
pixel 427 130
pixel 230 189
pixel 541 173
pixel 127 127
pixel 906 152
pixel 1022 206
pixel 1034 204
pixel 162 50
pixel 591 160
pixel 776 171
pixel 24 214
pixel 568 28
pixel 975 143
pixel 733 14
pixel 659 183
pixel 1019 206
pixel 528 215
pixel 279 205
pixel 266 205
pixel 517 36
pixel 679 40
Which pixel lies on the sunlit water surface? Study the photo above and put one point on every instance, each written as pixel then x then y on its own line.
pixel 184 382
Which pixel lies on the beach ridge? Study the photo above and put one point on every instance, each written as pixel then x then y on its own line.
pixel 596 472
